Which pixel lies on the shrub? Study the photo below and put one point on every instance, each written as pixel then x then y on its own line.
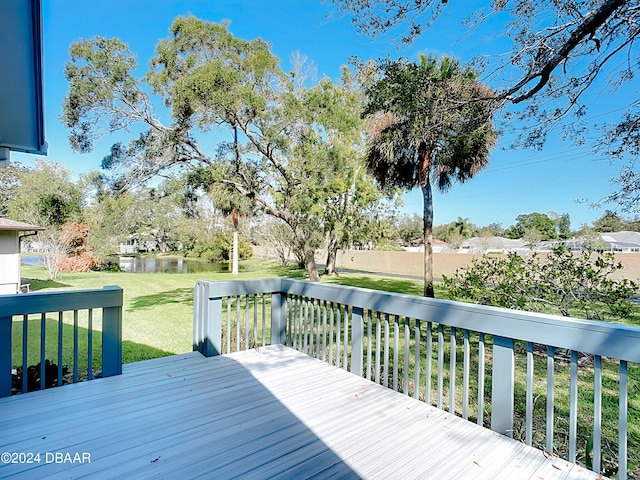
pixel 217 247
pixel 564 282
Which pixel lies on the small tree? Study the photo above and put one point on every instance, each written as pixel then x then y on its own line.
pixel 46 196
pixel 79 257
pixel 54 245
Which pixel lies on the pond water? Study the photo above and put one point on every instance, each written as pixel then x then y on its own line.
pixel 155 265
pixel 169 265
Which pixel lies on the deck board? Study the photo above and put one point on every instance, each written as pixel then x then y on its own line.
pixel 268 413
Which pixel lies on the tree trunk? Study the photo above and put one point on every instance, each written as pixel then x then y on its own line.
pixel 424 166
pixel 234 267
pixel 310 263
pixel 427 233
pixel 332 253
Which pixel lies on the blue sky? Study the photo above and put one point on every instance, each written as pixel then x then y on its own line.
pixel 515 182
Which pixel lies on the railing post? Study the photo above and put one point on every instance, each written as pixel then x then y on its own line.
pixel 278 318
pixel 502 389
pixel 357 334
pixel 207 320
pixel 5 357
pixel 112 337
pixel 199 304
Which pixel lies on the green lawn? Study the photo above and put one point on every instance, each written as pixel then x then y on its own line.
pixel 157 321
pixel 158 308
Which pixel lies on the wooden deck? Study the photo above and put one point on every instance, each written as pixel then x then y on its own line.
pixel 272 413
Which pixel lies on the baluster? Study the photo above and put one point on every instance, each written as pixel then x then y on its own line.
pixel 427 373
pixel 597 413
pixel 264 320
pixel 529 396
pixel 90 346
pixel 357 341
pixel 75 346
pixel 60 331
pixel 369 343
pixel 324 330
pixel 573 405
pixel 228 326
pixel 416 361
pixel 440 363
pixel 255 321
pixel 481 379
pixel 43 330
pixel 237 323
pixel 465 376
pixel 318 329
pixel 407 356
pixel 452 370
pixel 246 322
pixel 306 322
pixel 290 317
pixel 623 396
pixel 378 335
pixel 25 350
pixel 345 342
pixel 396 334
pixel 550 400
pixel 386 350
pixel 331 332
pixel 338 334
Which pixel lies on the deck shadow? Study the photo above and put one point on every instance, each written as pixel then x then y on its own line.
pixel 178 417
pixel 179 295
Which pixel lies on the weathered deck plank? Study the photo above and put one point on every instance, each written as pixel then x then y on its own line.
pixel 273 413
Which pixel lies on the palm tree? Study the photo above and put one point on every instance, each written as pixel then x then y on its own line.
pixel 432 123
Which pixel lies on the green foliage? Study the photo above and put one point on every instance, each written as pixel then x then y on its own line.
pixel 431 123
pixel 533 222
pixel 216 246
pixel 108 265
pixel 100 80
pixel 9 181
pixel 433 106
pixel 454 233
pixel 45 195
pixel 409 229
pixel 294 153
pixel 572 284
pixel 608 222
pixel 492 230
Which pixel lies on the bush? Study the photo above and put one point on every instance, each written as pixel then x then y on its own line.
pixel 217 247
pixel 108 265
pixel 571 284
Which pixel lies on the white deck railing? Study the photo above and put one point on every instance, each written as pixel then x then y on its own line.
pixel 541 378
pixel 67 309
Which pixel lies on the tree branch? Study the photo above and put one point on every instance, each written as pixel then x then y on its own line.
pixel 589 25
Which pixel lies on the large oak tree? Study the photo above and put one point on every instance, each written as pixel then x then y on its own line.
pixel 284 149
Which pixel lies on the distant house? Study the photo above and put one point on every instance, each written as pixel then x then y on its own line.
pixel 493 245
pixel 134 245
pixel 618 242
pixel 11 233
pixel 130 245
pixel 438 246
pixel 623 242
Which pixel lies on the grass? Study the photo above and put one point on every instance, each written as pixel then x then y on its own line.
pixel 157 321
pixel 157 310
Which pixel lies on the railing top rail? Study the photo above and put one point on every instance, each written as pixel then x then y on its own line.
pixel 599 338
pixel 43 302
